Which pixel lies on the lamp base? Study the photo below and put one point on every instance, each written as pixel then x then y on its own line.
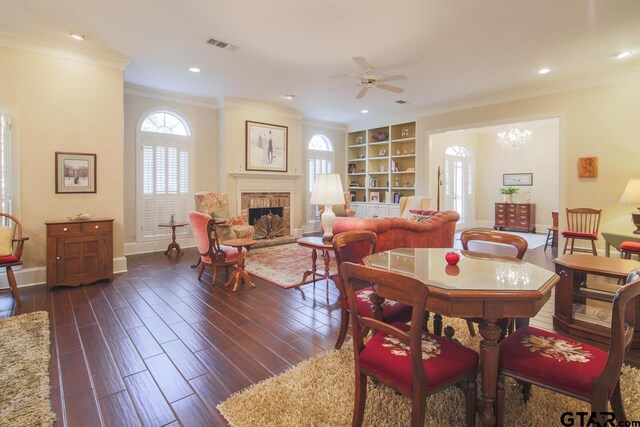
pixel 635 217
pixel 327 219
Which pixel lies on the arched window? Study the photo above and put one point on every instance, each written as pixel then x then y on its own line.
pixel 320 158
pixel 164 173
pixel 165 122
pixel 457 150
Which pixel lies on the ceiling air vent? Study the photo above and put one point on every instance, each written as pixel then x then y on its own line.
pixel 222 45
pixel 400 101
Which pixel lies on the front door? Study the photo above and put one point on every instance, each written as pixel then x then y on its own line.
pixel 458 184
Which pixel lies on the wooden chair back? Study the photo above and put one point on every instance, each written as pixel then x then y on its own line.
pixel 205 235
pixel 353 246
pixel 17 241
pixel 517 242
pixel 583 220
pixel 404 289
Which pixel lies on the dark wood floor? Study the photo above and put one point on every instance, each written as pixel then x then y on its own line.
pixel 157 347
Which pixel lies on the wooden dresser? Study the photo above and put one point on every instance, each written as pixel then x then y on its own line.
pixel 79 252
pixel 515 216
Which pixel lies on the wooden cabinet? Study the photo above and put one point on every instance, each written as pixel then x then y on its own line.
pixel 516 216
pixel 584 296
pixel 79 252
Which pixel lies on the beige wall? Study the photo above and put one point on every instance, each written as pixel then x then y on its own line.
pixel 64 105
pixel 599 121
pixel 203 123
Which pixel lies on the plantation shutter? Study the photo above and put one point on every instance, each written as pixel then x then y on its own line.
pixel 5 163
pixel 317 166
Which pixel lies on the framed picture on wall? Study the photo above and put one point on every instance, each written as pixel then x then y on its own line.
pixel 75 173
pixel 516 179
pixel 374 197
pixel 266 146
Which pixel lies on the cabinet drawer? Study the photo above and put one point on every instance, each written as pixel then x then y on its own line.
pixel 64 229
pixel 96 227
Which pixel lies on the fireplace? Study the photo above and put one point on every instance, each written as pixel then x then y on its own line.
pixel 257 213
pixel 256 204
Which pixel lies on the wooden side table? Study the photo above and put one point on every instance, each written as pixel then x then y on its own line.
pixel 614 239
pixel 325 247
pixel 239 274
pixel 173 244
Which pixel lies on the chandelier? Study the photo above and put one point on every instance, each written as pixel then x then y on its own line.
pixel 514 138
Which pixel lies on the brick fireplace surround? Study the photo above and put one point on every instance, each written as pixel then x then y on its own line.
pixel 249 200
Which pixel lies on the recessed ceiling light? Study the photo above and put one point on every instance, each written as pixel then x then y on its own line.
pixel 364 111
pixel 194 69
pixel 544 70
pixel 78 36
pixel 623 55
pixel 289 97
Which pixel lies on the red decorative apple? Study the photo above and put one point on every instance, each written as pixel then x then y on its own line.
pixel 452 257
pixel 452 270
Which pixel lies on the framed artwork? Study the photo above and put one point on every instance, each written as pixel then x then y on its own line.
pixel 358 140
pixel 75 173
pixel 373 183
pixel 352 168
pixel 266 147
pixel 587 167
pixel 396 198
pixel 374 196
pixel 517 179
pixel 382 153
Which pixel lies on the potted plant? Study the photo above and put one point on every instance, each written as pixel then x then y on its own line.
pixel 508 193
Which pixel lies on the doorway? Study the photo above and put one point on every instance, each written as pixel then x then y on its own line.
pixel 458 182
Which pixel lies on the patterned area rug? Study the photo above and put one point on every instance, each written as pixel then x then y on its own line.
pixel 319 392
pixel 24 371
pixel 284 265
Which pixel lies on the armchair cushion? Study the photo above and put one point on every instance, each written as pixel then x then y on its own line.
pixel 443 359
pixel 6 244
pixel 214 204
pixel 230 254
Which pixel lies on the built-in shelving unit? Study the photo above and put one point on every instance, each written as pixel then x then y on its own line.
pixel 381 166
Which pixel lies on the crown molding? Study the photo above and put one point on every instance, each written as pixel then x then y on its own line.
pixel 15 40
pixel 257 106
pixel 165 95
pixel 308 121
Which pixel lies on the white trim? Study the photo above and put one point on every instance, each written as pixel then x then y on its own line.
pixel 308 121
pixel 258 107
pixel 19 41
pixel 38 275
pixel 165 95
pixel 134 248
pixel 267 175
pixel 16 185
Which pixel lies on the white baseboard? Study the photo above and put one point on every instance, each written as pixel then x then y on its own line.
pixel 38 275
pixel 134 248
pixel 540 228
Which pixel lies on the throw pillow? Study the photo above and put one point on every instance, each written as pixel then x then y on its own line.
pixel 6 246
pixel 413 203
pixel 417 218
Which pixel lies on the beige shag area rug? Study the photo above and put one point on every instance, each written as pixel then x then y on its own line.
pixel 319 392
pixel 24 371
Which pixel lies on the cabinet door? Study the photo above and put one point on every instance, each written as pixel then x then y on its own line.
pixel 79 258
pixel 394 210
pixel 360 210
pixel 501 215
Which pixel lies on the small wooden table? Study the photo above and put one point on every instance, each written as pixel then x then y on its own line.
pixel 239 274
pixel 614 239
pixel 325 247
pixel 173 243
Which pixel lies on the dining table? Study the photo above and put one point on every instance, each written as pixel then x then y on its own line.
pixel 480 286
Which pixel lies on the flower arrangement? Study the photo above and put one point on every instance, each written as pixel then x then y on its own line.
pixel 381 135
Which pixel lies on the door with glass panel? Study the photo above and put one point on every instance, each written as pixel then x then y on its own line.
pixel 458 182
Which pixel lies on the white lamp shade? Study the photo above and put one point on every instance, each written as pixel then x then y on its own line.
pixel 631 194
pixel 327 190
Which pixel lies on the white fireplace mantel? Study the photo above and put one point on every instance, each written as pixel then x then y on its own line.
pixel 266 175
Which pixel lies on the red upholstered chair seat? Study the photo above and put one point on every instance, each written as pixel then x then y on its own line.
pixel 630 246
pixel 392 311
pixel 556 360
pixel 230 254
pixel 578 234
pixel 443 359
pixel 8 259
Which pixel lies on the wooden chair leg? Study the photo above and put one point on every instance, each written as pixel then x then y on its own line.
pixel 201 271
pixel 214 273
pixel 418 405
pixel 500 400
pixel 617 404
pixel 14 286
pixel 566 243
pixel 526 391
pixel 593 246
pixel 344 326
pixel 470 400
pixel 360 400
pixel 546 242
pixel 472 329
pixel 573 242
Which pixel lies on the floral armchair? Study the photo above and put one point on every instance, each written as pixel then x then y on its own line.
pixel 217 206
pixel 341 210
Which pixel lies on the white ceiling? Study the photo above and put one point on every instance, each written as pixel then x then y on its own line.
pixel 451 51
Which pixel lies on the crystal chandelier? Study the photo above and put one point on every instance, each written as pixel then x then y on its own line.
pixel 514 138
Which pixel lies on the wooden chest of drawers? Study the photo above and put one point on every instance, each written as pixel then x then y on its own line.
pixel 516 216
pixel 79 252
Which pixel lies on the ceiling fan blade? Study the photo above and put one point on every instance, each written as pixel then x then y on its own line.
pixel 392 78
pixel 362 92
pixel 390 88
pixel 362 62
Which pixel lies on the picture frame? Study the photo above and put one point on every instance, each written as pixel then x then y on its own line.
pixel 396 198
pixel 587 167
pixel 352 168
pixel 75 172
pixel 517 179
pixel 358 140
pixel 382 153
pixel 374 197
pixel 352 196
pixel 373 183
pixel 266 147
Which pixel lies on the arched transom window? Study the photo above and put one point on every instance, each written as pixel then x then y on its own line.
pixel 320 159
pixel 320 143
pixel 458 151
pixel 165 122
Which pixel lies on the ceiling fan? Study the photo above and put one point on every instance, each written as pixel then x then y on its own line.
pixel 369 80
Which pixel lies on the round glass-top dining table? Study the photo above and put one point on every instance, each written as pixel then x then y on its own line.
pixel 479 286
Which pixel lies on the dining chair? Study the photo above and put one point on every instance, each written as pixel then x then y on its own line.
pixel 212 253
pixel 11 246
pixel 568 366
pixel 582 224
pixel 353 246
pixel 406 358
pixel 629 248
pixel 495 237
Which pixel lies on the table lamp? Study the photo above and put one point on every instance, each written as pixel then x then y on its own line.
pixel 631 196
pixel 327 191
